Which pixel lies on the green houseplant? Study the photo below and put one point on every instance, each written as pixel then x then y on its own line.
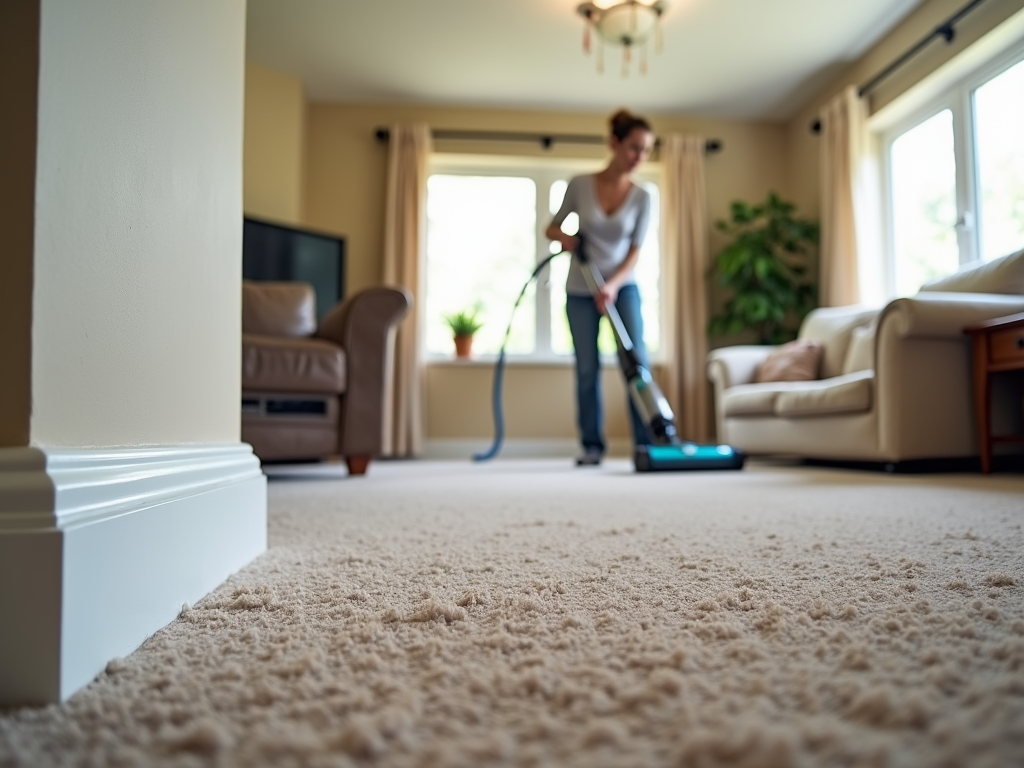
pixel 463 326
pixel 764 271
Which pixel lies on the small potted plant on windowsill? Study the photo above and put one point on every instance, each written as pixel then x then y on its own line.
pixel 463 325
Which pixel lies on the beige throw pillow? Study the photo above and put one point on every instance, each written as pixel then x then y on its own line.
pixel 832 327
pixel 796 361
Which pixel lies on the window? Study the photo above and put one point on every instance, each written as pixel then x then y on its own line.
pixel 923 179
pixel 481 243
pixel 998 125
pixel 485 235
pixel 955 173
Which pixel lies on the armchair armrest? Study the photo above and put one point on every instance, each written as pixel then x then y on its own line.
pixel 923 381
pixel 730 366
pixel 944 315
pixel 361 325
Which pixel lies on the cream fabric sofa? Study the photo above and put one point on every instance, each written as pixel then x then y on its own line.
pixel 895 383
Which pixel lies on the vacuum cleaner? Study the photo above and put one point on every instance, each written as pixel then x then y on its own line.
pixel 667 451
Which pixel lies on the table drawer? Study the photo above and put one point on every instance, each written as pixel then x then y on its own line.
pixel 1007 345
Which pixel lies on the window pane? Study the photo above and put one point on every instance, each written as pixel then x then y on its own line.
pixel 571 224
pixel 924 203
pixel 481 247
pixel 647 273
pixel 561 339
pixel 999 122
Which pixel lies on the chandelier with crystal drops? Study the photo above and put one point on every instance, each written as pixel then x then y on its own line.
pixel 628 23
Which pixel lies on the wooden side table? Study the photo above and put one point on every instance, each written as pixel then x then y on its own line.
pixel 998 346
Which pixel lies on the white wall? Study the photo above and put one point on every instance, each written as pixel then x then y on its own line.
pixel 135 275
pixel 136 298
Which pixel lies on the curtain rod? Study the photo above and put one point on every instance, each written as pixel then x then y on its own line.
pixel 546 140
pixel 945 30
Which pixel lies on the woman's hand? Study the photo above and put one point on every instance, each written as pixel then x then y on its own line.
pixel 568 242
pixel 606 296
pixel 610 291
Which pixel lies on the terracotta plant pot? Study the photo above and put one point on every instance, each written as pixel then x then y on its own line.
pixel 463 346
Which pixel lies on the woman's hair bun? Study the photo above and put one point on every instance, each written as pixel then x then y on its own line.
pixel 624 122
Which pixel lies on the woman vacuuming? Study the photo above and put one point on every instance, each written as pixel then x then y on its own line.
pixel 614 214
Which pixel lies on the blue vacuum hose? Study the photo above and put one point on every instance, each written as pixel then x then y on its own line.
pixel 499 371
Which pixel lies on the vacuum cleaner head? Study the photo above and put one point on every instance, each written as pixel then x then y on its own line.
pixel 669 453
pixel 684 456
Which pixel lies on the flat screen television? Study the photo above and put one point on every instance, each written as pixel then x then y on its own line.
pixel 277 252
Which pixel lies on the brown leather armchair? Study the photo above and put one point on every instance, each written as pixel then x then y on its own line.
pixel 316 390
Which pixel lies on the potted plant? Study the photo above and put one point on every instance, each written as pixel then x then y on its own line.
pixel 764 270
pixel 463 325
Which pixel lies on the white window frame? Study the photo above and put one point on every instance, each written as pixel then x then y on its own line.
pixel 543 171
pixel 959 99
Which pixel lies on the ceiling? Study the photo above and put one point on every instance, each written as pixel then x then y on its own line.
pixel 749 59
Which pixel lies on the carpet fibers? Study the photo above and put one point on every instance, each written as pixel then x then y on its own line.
pixel 531 614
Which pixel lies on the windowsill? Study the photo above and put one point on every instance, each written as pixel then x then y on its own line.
pixel 489 361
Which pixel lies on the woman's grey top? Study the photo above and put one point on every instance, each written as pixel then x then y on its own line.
pixel 608 236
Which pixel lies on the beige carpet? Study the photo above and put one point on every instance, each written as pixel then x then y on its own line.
pixel 528 613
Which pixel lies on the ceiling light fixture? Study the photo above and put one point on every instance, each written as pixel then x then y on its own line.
pixel 628 23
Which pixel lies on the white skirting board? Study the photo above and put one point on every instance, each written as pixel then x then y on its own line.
pixel 100 547
pixel 517 448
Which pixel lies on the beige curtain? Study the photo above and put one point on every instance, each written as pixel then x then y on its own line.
pixel 849 242
pixel 685 232
pixel 404 239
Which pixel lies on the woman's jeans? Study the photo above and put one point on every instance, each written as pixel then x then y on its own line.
pixel 584 320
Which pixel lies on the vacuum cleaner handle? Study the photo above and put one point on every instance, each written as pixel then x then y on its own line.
pixel 595 282
pixel 648 399
pixel 628 357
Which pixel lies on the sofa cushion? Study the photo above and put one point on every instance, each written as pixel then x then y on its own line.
pixel 755 399
pixel 841 394
pixel 851 393
pixel 1002 275
pixel 277 363
pixel 833 327
pixel 273 308
pixel 796 361
pixel 860 356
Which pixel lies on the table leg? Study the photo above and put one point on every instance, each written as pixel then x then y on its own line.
pixel 982 397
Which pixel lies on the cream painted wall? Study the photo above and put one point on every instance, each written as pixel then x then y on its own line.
pixel 346 169
pixel 275 130
pixel 802 146
pixel 19 69
pixel 539 402
pixel 136 301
